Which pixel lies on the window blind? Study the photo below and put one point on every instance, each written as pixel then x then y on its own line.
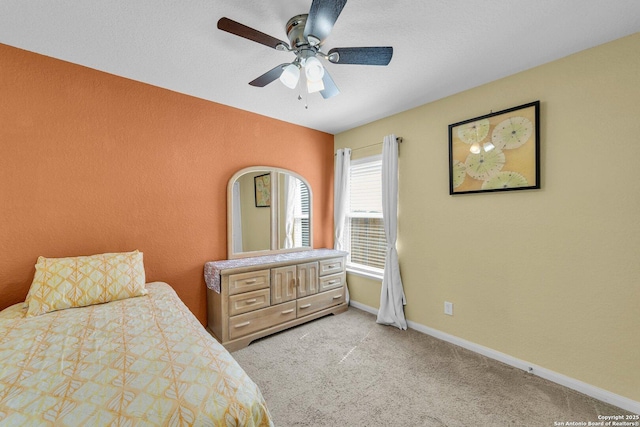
pixel 365 226
pixel 301 225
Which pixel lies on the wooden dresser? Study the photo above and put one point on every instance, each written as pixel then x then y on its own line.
pixel 249 298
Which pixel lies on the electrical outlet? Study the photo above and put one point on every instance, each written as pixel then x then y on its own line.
pixel 448 308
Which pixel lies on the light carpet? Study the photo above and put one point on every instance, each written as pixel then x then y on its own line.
pixel 346 370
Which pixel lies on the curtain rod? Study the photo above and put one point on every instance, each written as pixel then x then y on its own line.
pixel 398 139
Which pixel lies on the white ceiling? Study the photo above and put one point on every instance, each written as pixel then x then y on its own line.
pixel 441 47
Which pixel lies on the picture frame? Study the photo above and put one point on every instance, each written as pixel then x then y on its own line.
pixel 496 152
pixel 262 186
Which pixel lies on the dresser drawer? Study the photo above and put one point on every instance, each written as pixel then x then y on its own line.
pixel 308 305
pixel 251 281
pixel 257 320
pixel 331 266
pixel 248 301
pixel 331 282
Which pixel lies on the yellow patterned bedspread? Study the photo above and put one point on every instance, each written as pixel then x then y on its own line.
pixel 143 361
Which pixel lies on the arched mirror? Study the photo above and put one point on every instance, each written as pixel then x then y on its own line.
pixel 269 210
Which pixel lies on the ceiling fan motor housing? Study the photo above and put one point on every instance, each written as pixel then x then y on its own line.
pixel 303 47
pixel 295 31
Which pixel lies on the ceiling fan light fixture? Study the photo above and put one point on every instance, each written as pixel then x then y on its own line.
pixel 315 86
pixel 313 69
pixel 290 76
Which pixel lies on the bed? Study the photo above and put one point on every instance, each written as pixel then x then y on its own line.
pixel 137 361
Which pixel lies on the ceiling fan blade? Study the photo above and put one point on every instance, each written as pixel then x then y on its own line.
pixel 233 27
pixel 269 76
pixel 322 15
pixel 361 55
pixel 330 88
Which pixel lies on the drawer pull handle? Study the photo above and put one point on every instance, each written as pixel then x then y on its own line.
pixel 305 306
pixel 331 282
pixel 240 325
pixel 250 281
pixel 331 266
pixel 337 296
pixel 251 301
pixel 288 311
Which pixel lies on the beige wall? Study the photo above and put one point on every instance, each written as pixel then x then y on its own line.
pixel 256 221
pixel 549 276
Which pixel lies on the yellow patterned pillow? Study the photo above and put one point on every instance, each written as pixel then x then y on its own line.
pixel 61 283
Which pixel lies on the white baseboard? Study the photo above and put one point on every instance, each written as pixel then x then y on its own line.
pixel 582 387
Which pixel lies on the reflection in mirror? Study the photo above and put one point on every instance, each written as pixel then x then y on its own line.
pixel 269 210
pixel 251 215
pixel 294 212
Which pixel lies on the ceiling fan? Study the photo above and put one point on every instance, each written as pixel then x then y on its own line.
pixel 307 33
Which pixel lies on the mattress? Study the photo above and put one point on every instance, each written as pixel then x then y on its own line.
pixel 139 361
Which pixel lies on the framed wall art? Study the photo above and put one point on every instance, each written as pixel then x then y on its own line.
pixel 263 190
pixel 496 152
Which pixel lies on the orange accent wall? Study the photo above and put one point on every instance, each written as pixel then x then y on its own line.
pixel 92 163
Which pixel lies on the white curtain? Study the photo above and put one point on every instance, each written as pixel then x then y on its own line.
pixel 341 199
pixel 237 219
pixel 341 195
pixel 290 209
pixel 392 299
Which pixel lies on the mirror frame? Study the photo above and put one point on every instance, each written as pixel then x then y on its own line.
pixel 274 213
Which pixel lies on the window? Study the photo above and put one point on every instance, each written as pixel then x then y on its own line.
pixel 364 232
